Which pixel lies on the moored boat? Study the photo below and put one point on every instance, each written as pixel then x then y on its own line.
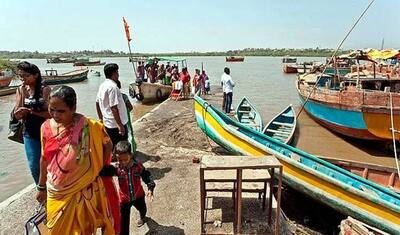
pixel 287 68
pixel 321 180
pixel 51 76
pixel 8 90
pixel 382 175
pixel 5 78
pixel 248 115
pixel 60 60
pixel 147 92
pixel 282 127
pixel 89 63
pixel 287 59
pixel 234 59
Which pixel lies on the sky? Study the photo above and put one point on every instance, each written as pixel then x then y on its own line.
pixel 195 25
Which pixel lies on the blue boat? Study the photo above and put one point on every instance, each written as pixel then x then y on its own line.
pixel 248 115
pixel 342 190
pixel 282 126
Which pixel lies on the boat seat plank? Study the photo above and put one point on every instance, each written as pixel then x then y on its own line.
pixel 244 111
pixel 278 132
pixel 282 124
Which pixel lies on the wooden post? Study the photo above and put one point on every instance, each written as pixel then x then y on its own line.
pixel 278 207
pixel 202 199
pixel 239 201
pixel 271 189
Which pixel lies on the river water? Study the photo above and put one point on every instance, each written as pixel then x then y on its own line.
pixel 259 78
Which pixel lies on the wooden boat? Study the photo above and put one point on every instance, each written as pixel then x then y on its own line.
pixel 89 63
pixel 342 190
pixel 289 60
pixel 289 68
pixel 147 92
pixel 248 115
pixel 60 60
pixel 8 90
pixel 382 175
pixel 282 126
pixel 5 78
pixel 53 78
pixel 234 59
pixel 354 107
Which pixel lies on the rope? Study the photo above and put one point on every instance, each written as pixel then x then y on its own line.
pixel 393 131
pixel 333 55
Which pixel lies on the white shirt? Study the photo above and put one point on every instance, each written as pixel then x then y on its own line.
pixel 227 83
pixel 110 95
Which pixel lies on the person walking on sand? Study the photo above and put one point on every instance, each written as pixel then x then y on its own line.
pixel 130 171
pixel 31 107
pixel 111 107
pixel 227 87
pixel 75 150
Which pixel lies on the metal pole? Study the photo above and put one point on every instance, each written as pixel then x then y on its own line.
pixel 133 63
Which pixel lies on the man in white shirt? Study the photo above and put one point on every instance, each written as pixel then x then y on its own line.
pixel 227 87
pixel 111 107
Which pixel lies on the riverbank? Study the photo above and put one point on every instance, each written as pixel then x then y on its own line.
pixel 168 138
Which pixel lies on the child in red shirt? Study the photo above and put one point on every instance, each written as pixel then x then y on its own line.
pixel 130 171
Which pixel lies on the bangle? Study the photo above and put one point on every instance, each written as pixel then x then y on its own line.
pixel 41 187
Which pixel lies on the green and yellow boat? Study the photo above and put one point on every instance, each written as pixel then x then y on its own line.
pixel 344 191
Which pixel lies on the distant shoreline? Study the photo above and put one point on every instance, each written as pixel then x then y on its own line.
pixel 310 52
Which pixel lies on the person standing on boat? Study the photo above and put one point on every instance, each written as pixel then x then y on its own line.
pixel 227 87
pixel 185 78
pixel 111 107
pixel 140 70
pixel 31 107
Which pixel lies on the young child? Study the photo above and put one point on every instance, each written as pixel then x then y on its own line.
pixel 129 172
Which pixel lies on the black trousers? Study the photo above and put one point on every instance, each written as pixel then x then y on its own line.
pixel 228 102
pixel 140 205
pixel 115 136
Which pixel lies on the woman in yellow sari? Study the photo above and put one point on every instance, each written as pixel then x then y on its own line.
pixel 74 150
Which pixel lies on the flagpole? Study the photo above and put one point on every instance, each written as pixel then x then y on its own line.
pixel 128 38
pixel 133 63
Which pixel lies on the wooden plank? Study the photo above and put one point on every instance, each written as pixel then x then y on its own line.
pixel 282 124
pixel 279 132
pixel 238 162
pixel 239 202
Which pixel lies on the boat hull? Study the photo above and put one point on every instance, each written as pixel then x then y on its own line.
pixel 317 184
pixel 71 77
pixel 234 59
pixel 8 90
pixel 248 115
pixel 289 69
pixel 150 92
pixel 5 81
pixel 338 111
pixel 379 123
pixel 282 126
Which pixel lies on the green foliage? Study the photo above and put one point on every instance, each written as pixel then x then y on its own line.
pixel 7 65
pixel 306 52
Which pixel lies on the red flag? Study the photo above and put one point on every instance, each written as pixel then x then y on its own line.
pixel 126 26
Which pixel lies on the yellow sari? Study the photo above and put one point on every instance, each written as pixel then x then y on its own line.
pixel 76 197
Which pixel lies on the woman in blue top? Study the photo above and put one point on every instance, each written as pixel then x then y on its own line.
pixel 31 107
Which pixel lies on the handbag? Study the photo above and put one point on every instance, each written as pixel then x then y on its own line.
pixel 36 225
pixel 16 128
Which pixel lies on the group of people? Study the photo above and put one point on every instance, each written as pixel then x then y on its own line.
pixel 153 72
pixel 70 155
pixel 169 75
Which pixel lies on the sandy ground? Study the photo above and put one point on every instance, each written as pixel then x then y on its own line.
pixel 168 138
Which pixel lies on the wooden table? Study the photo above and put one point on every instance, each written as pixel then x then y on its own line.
pixel 239 163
